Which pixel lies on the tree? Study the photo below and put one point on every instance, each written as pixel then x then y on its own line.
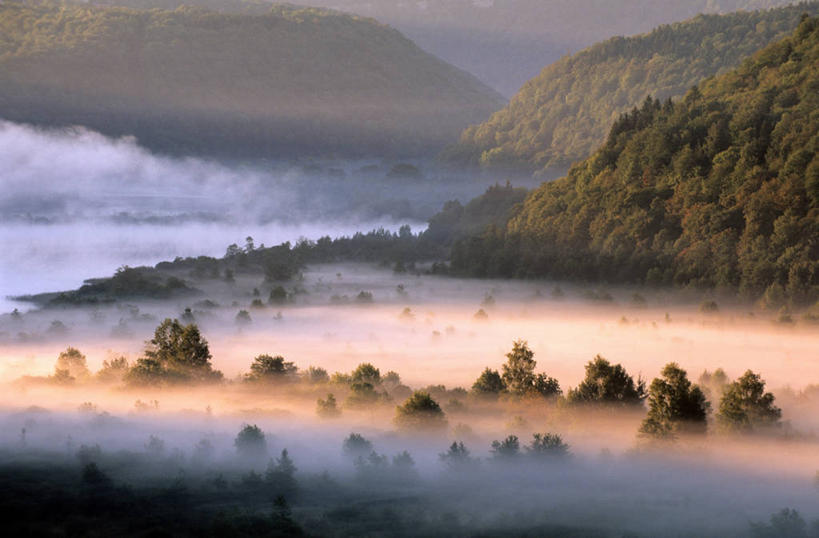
pixel 92 476
pixel 361 394
pixel 243 318
pixel 713 384
pixel 176 353
pixel 113 370
pixel 73 363
pixel 420 412
pixel 280 474
pixel 403 466
pixel 457 457
pixel 547 445
pixel 355 446
pixel 327 408
pixel 674 405
pixel 489 383
pixel 317 375
pixel 366 373
pixel 607 384
pixel 519 373
pixel 507 449
pixel 250 443
pixel 266 368
pixel 278 296
pixel 787 523
pixel 745 406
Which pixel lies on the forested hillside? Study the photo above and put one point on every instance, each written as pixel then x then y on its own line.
pixel 291 81
pixel 503 43
pixel 718 190
pixel 563 114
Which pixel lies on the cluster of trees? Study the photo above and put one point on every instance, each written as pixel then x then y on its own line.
pixel 519 378
pixel 179 354
pixel 604 384
pixel 718 190
pixel 677 406
pixel 127 282
pixel 336 83
pixel 562 115
pixel 276 264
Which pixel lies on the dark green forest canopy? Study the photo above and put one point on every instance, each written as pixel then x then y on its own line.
pixel 719 190
pixel 292 80
pixel 563 114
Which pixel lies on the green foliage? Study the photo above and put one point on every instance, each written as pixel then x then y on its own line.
pixel 746 407
pixel 547 446
pixel 73 363
pixel 242 318
pixel 280 475
pixel 176 353
pixel 355 446
pixel 489 383
pixel 607 384
pixel 420 413
pixel 507 449
pixel 278 296
pixel 127 282
pixel 327 408
pixel 519 374
pixel 269 369
pixel 713 384
pixel 196 81
pixel 787 523
pixel 113 370
pixel 674 405
pixel 706 192
pixel 562 115
pixel 455 221
pixel 250 443
pixel 366 373
pixel 457 457
pixel 317 375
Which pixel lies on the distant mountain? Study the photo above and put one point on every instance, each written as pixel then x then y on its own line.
pixel 506 42
pixel 288 82
pixel 502 42
pixel 720 189
pixel 562 115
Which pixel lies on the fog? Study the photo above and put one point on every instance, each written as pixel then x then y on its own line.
pixel 75 204
pixel 612 481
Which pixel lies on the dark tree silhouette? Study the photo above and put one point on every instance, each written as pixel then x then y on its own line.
pixel 519 374
pixel 674 405
pixel 250 443
pixel 746 407
pixel 489 383
pixel 420 412
pixel 606 383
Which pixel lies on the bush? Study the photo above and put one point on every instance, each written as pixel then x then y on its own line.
pixel 327 408
pixel 746 407
pixel 250 443
pixel 420 412
pixel 355 446
pixel 269 369
pixel 547 445
pixel 674 405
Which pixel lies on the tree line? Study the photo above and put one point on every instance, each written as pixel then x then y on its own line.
pixel 178 354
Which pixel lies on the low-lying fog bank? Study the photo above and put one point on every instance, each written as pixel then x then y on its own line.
pixel 75 204
pixel 189 459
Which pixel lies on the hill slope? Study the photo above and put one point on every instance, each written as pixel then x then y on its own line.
pixel 503 43
pixel 196 81
pixel 562 115
pixel 718 190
